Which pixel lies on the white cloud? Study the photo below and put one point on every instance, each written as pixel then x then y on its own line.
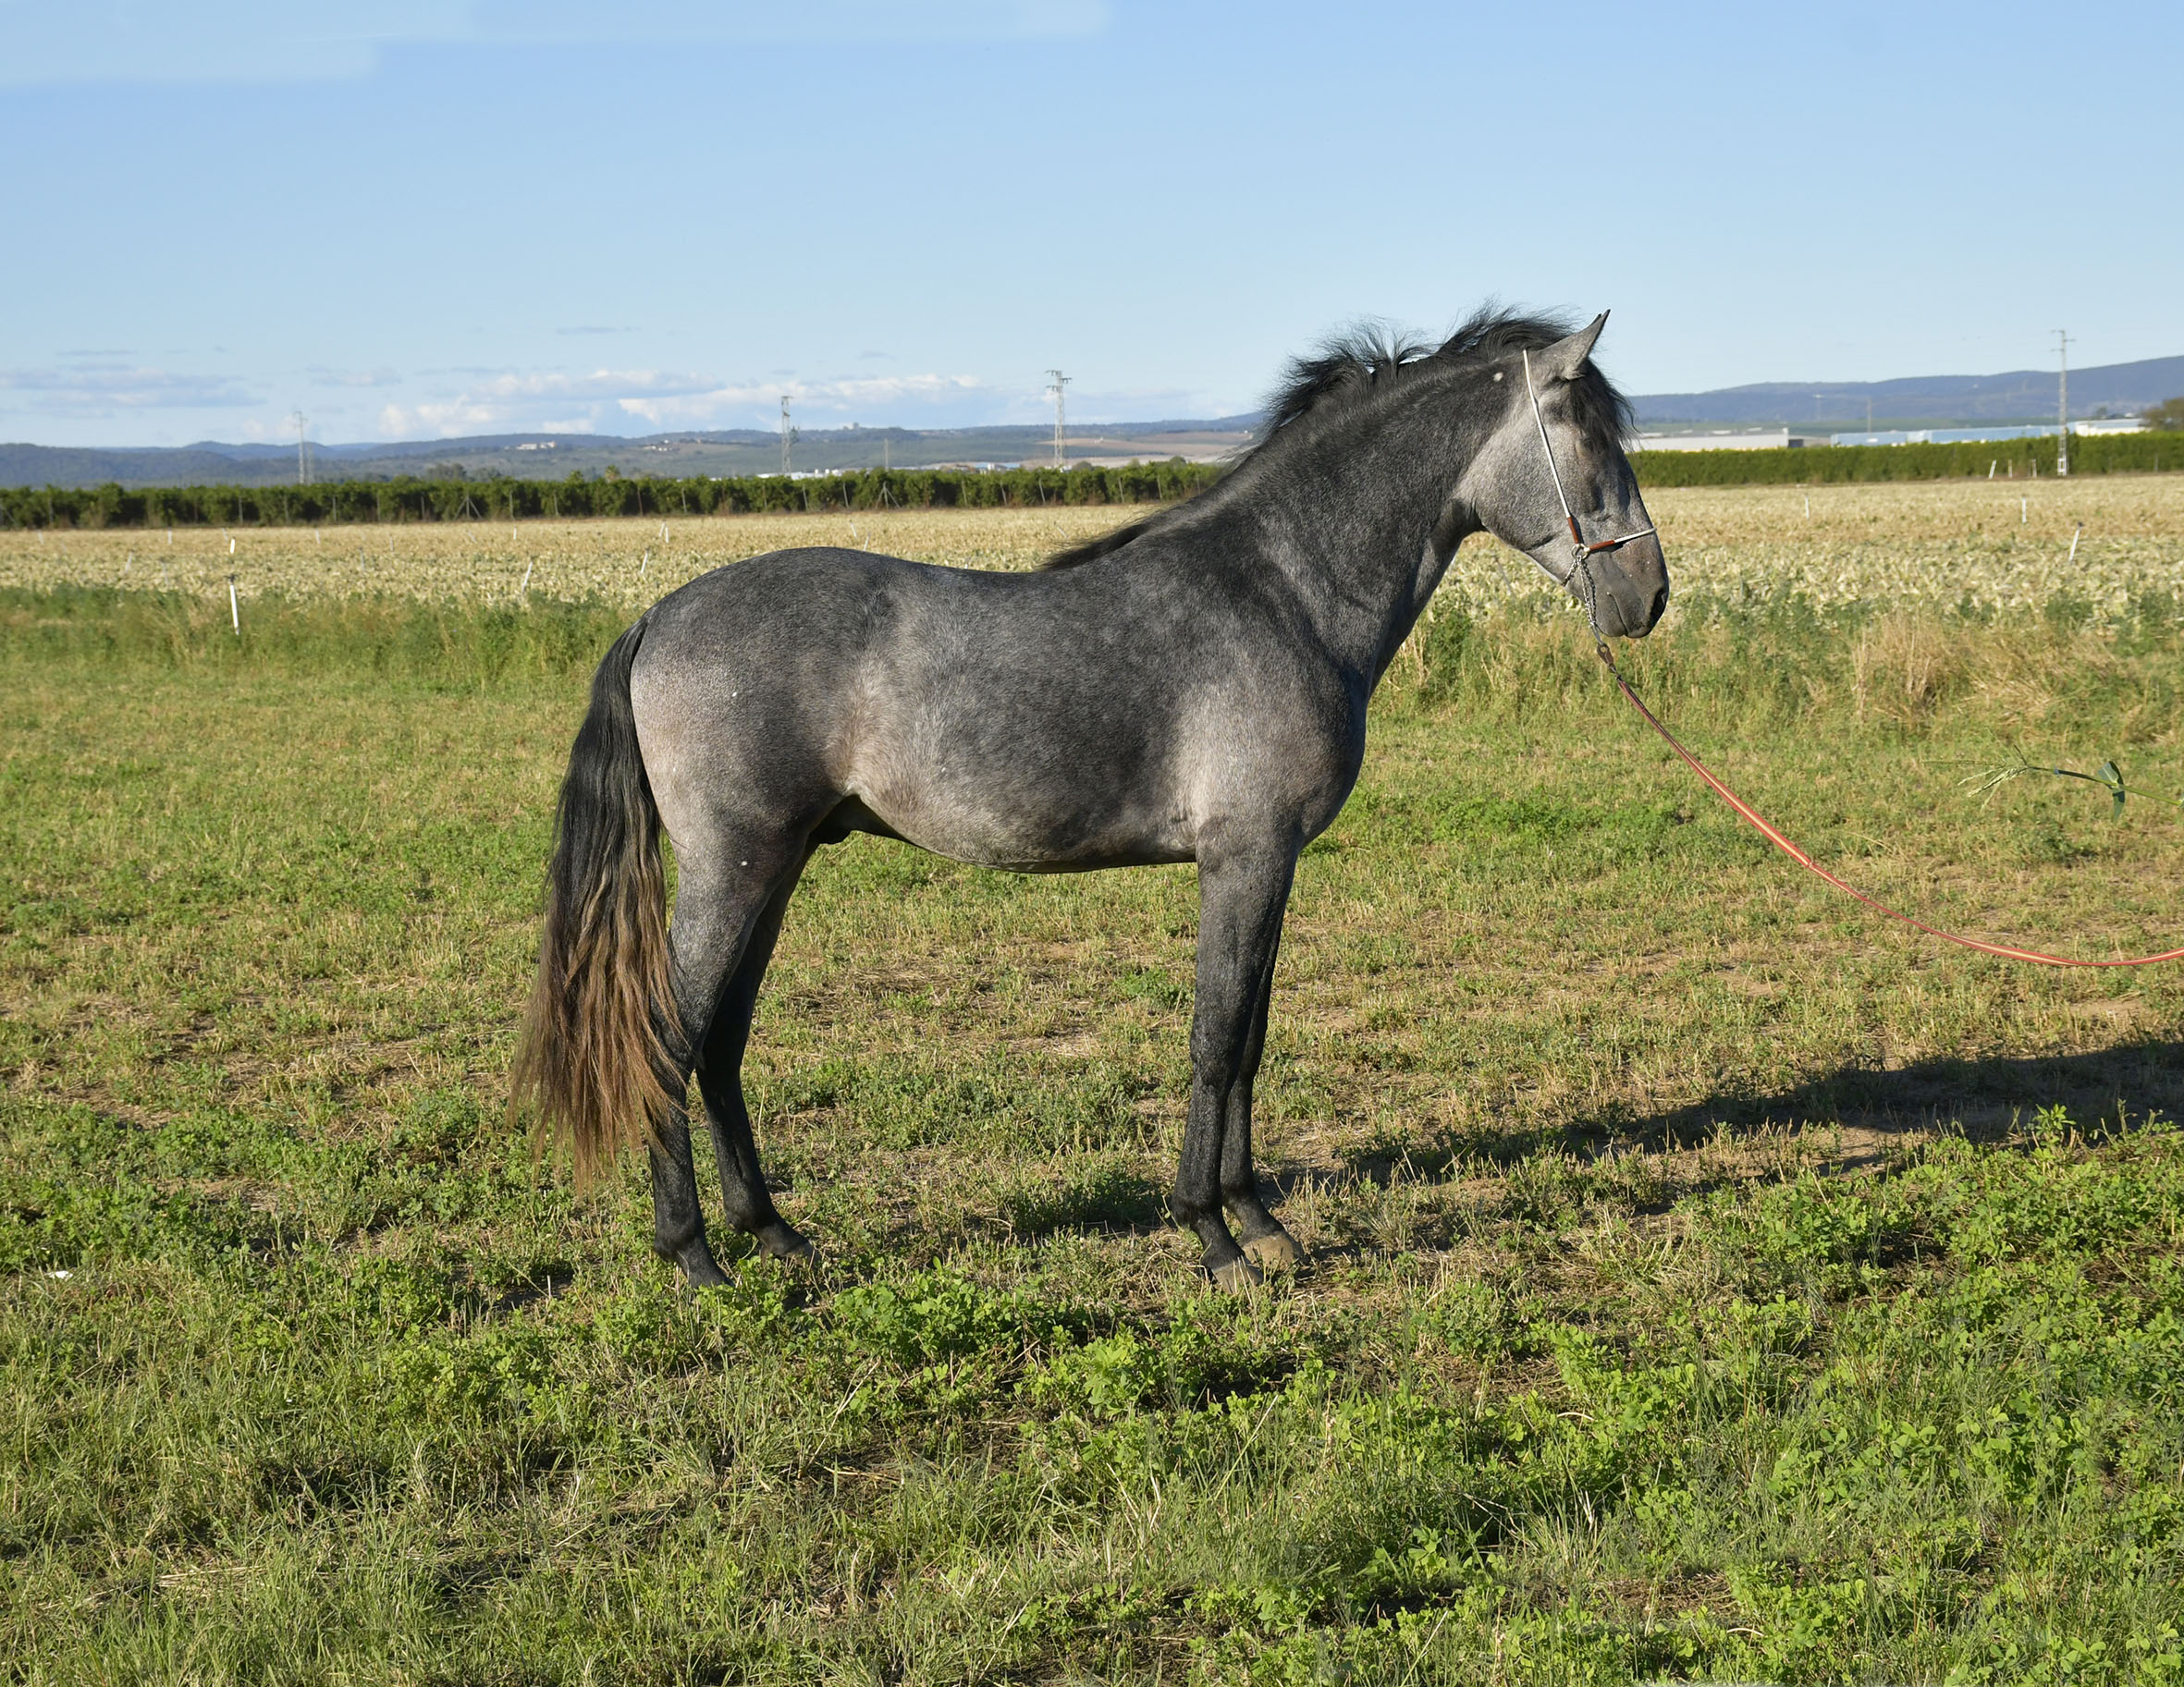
pixel 539 400
pixel 766 20
pixel 354 377
pixel 443 420
pixel 1096 407
pixel 843 397
pixel 236 41
pixel 104 388
pixel 604 384
pixel 258 41
pixel 89 397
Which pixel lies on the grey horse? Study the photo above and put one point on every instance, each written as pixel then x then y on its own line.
pixel 1190 688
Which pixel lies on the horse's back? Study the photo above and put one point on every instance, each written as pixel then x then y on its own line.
pixel 1058 720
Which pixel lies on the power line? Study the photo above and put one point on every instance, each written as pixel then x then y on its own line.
pixel 1056 382
pixel 788 434
pixel 300 422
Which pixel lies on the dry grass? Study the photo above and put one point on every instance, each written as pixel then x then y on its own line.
pixel 621 561
pixel 1988 547
pixel 1934 546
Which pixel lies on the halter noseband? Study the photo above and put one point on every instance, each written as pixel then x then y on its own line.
pixel 1581 554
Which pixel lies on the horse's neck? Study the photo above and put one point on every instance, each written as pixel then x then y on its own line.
pixel 1366 550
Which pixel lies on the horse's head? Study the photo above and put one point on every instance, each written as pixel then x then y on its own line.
pixel 1554 483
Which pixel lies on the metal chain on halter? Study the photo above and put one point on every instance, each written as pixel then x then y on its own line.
pixel 1581 554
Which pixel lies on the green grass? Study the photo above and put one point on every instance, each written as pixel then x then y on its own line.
pixel 1707 1280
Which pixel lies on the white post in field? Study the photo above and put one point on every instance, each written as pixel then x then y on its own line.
pixel 2063 405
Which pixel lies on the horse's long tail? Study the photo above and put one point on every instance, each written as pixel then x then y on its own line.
pixel 598 1046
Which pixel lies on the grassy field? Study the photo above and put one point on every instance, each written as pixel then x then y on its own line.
pixel 1707 1281
pixel 1991 546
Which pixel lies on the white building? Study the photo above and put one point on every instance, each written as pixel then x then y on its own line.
pixel 1751 440
pixel 1951 436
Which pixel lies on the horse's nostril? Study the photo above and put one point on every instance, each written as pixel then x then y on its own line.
pixel 1660 604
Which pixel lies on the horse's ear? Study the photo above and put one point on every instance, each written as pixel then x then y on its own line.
pixel 1566 357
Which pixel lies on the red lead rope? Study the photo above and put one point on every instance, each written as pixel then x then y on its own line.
pixel 1752 817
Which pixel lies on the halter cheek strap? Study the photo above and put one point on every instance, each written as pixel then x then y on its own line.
pixel 1581 554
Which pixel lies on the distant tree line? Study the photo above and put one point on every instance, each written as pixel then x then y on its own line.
pixel 1829 465
pixel 411 500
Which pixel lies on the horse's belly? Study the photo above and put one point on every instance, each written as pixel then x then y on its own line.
pixel 1013 753
pixel 1060 834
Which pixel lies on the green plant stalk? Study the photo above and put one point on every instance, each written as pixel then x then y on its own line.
pixel 2108 776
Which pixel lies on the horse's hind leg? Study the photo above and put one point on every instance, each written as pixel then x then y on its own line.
pixel 720 1082
pixel 718 911
pixel 678 1222
pixel 1266 1243
pixel 1241 896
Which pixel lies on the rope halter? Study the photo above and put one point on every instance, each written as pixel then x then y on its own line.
pixel 1581 554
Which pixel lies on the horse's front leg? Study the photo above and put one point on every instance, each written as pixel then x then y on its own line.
pixel 1266 1243
pixel 1241 897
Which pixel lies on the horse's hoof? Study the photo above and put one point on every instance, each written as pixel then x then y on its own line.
pixel 1276 1251
pixel 778 1241
pixel 1236 1276
pixel 700 1272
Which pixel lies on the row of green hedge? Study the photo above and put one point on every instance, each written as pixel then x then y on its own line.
pixel 1834 465
pixel 413 500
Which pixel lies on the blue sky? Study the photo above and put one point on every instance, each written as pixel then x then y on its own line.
pixel 409 218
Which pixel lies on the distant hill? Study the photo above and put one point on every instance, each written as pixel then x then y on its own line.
pixel 733 451
pixel 2022 395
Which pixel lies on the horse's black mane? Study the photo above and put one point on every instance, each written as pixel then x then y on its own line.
pixel 1371 357
pixel 1368 357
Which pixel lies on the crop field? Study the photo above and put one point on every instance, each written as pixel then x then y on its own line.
pixel 2000 545
pixel 1707 1281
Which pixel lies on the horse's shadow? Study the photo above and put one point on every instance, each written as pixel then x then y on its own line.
pixel 1985 1097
